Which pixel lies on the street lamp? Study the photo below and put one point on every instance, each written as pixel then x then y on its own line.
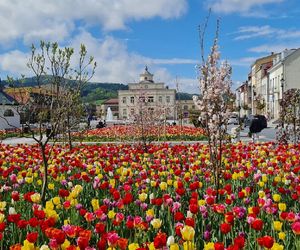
pixel 282 86
pixel 239 106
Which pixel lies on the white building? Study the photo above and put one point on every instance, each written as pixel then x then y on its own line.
pixel 283 75
pixel 9 117
pixel 154 95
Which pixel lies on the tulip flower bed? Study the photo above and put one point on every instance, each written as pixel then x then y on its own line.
pixel 129 132
pixel 120 197
pixel 9 133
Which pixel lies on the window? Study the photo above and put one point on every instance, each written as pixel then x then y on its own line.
pixel 132 99
pixel 160 98
pixel 168 99
pixel 9 113
pixel 146 86
pixel 193 106
pixel 151 99
pixel 124 99
pixel 142 99
pixel 185 107
pixel 151 111
pixel 124 113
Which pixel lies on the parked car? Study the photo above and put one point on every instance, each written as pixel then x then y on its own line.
pixel 261 118
pixel 233 120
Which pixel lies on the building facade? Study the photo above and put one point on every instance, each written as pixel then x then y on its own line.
pixel 9 115
pixel 184 109
pixel 269 78
pixel 154 96
pixel 258 72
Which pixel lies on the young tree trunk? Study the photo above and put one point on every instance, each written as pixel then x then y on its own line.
pixel 69 134
pixel 45 176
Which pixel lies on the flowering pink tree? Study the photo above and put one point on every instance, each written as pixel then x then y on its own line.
pixel 148 118
pixel 289 117
pixel 214 102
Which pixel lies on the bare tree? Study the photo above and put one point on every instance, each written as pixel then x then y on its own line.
pixel 148 118
pixel 53 107
pixel 214 101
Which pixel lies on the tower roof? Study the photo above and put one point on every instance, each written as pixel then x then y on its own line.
pixel 146 76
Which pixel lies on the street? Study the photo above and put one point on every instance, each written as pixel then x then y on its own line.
pixel 267 134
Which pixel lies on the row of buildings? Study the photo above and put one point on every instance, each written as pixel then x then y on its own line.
pixel 268 79
pixel 153 96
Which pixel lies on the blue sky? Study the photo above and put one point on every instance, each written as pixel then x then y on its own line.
pixel 126 35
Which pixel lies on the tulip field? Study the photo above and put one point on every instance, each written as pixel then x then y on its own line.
pixel 122 197
pixel 130 132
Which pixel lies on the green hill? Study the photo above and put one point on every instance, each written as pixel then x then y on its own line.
pixel 93 92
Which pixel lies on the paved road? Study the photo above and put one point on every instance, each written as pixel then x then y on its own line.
pixel 268 134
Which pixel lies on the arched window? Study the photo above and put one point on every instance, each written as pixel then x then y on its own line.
pixel 8 113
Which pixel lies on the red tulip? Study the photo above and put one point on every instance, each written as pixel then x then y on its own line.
pixel 219 246
pixel 296 227
pixel 82 242
pixel 160 240
pixel 266 241
pixel 225 228
pixel 240 242
pixel 257 224
pixel 32 237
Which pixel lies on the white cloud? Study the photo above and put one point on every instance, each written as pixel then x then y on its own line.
pixel 33 20
pixel 267 48
pixel 248 32
pixel 239 6
pixel 172 61
pixel 115 63
pixel 189 85
pixel 15 62
pixel 243 62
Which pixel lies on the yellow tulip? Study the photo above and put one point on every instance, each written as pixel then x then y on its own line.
pixel 150 212
pixel 282 206
pixel 277 246
pixel 201 202
pixel 277 225
pixel 209 246
pixel 111 214
pixel 2 205
pixel 95 204
pixel 188 245
pixel 264 178
pixel 133 246
pixel 276 197
pixel 36 197
pixel 65 245
pixel 187 233
pixel 56 200
pixel 163 185
pixel 156 223
pixel 2 216
pixel 27 245
pixel 281 235
pixel 174 247
pixel 143 197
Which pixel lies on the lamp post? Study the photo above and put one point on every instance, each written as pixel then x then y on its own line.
pixel 239 106
pixel 282 86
